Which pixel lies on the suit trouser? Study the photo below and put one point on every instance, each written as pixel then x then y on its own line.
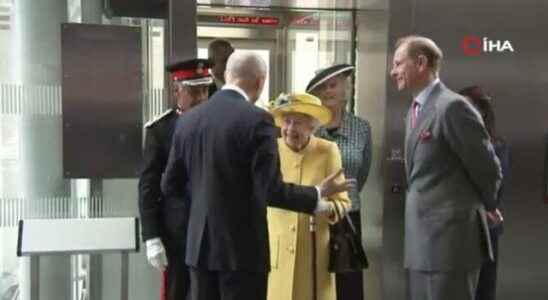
pixel 487 284
pixel 176 281
pixel 436 285
pixel 177 277
pixel 227 285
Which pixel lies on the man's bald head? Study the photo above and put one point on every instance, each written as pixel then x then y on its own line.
pixel 248 71
pixel 245 65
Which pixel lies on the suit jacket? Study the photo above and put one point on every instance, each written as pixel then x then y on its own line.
pixel 225 150
pixel 453 175
pixel 160 216
pixel 290 242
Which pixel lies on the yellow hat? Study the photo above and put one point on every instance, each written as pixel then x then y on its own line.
pixel 299 103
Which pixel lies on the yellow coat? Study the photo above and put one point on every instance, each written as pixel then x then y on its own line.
pixel 290 277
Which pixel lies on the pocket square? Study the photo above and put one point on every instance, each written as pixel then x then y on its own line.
pixel 425 136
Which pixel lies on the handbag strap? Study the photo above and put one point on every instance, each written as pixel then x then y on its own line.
pixel 346 217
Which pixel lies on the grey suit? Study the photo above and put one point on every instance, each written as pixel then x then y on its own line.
pixel 453 176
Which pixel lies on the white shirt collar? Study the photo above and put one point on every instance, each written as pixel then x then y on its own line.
pixel 219 84
pixel 425 93
pixel 236 89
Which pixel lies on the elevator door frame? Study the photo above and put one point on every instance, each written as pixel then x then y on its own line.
pixel 269 38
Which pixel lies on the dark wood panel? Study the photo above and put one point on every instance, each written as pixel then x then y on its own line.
pixel 137 8
pixel 102 100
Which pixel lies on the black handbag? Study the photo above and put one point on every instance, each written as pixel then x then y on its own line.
pixel 346 253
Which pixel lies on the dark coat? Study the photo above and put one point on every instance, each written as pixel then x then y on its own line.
pixel 226 151
pixel 164 217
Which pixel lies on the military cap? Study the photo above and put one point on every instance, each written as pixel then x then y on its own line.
pixel 191 72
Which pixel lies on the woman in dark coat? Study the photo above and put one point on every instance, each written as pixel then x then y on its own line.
pixel 479 97
pixel 353 136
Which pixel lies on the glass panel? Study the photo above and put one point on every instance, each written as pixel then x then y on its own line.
pixel 265 55
pixel 157 55
pixel 306 53
pixel 31 183
pixel 156 101
pixel 317 40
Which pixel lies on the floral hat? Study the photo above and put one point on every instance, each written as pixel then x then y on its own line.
pixel 299 103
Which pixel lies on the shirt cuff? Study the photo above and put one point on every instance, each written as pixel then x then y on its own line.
pixel 321 206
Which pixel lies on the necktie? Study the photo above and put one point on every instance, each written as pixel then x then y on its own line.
pixel 414 113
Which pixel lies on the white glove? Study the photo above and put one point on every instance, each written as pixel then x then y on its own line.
pixel 156 253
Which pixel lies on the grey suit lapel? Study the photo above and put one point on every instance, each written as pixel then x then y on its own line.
pixel 424 119
pixel 406 141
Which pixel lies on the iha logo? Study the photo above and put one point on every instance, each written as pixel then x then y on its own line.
pixel 473 45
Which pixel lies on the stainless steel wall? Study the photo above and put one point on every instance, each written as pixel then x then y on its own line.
pixel 518 82
pixel 370 104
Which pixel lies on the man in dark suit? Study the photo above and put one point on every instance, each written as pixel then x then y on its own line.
pixel 219 51
pixel 164 219
pixel 225 152
pixel 453 176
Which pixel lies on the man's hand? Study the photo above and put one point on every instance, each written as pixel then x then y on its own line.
pixel 156 253
pixel 330 185
pixel 495 216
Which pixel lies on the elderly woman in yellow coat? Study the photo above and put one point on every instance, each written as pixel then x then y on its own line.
pixel 305 159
